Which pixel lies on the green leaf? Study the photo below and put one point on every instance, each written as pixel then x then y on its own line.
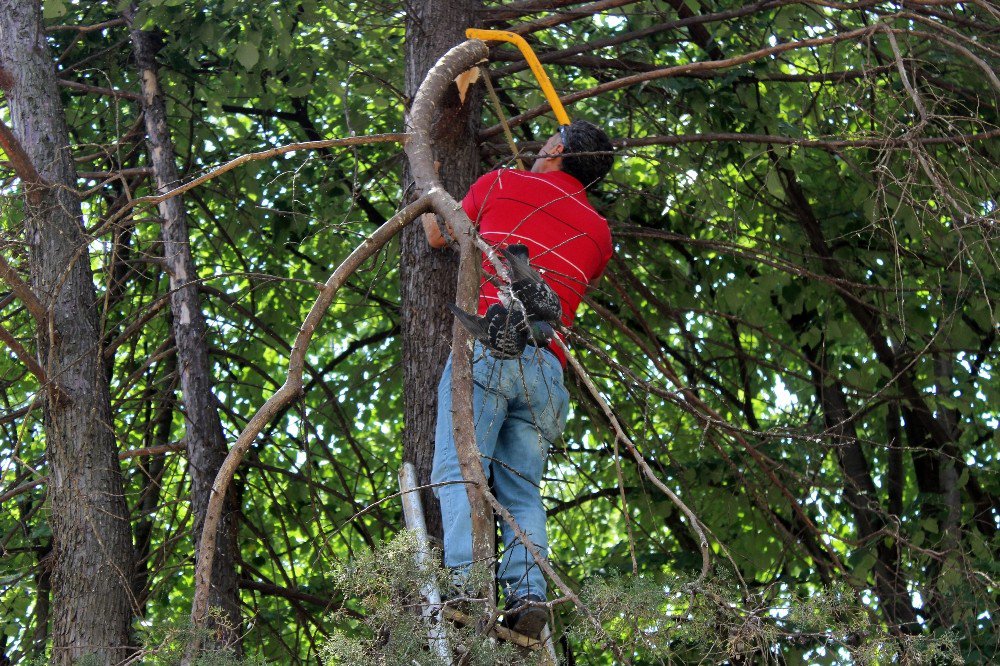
pixel 41 531
pixel 868 207
pixel 54 8
pixel 773 183
pixel 247 54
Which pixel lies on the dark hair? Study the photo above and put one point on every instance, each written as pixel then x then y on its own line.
pixel 584 137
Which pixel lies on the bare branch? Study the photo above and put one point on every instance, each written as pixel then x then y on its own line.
pixel 418 150
pixel 23 292
pixel 24 356
pixel 284 396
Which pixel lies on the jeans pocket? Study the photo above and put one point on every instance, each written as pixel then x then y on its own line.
pixel 552 408
pixel 494 375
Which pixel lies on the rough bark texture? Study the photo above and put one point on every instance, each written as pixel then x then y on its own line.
pixel 429 276
pixel 203 436
pixel 92 546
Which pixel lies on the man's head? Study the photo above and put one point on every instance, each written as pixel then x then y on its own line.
pixel 581 149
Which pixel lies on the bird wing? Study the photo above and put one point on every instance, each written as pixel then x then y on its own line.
pixel 472 323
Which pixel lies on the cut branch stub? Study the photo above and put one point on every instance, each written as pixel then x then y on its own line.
pixel 422 113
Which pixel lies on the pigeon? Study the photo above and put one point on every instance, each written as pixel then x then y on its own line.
pixel 540 302
pixel 503 331
pixel 540 333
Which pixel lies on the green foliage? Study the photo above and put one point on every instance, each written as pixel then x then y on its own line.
pixel 864 341
pixel 166 643
pixel 392 631
pixel 678 619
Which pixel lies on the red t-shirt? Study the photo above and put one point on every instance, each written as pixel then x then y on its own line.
pixel 568 242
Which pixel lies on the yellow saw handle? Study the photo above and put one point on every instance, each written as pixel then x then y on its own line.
pixel 529 55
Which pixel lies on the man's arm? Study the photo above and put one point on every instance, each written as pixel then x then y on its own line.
pixel 432 230
pixel 471 203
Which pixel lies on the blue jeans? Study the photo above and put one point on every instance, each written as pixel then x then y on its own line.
pixel 519 408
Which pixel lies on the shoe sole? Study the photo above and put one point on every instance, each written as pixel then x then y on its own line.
pixel 530 621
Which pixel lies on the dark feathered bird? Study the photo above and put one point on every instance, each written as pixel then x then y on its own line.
pixel 540 302
pixel 503 331
pixel 540 333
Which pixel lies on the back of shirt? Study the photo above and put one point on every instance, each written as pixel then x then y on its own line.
pixel 568 242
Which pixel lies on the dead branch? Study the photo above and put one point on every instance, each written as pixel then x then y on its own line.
pixel 23 292
pixel 288 392
pixel 418 150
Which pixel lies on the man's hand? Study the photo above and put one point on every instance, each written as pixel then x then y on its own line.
pixel 432 229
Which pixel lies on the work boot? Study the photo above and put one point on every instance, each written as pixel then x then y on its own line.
pixel 525 615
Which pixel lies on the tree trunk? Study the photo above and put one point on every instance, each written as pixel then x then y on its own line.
pixel 92 543
pixel 429 276
pixel 203 437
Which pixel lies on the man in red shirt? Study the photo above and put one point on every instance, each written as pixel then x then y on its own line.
pixel 520 404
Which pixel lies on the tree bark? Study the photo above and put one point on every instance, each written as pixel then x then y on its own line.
pixel 203 436
pixel 429 276
pixel 92 544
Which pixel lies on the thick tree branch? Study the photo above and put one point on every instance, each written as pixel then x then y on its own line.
pixel 289 391
pixel 24 356
pixel 23 292
pixel 418 150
